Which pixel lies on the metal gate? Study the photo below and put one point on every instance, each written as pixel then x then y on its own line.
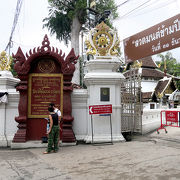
pixel 131 102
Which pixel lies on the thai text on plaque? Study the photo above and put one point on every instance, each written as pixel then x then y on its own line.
pixel 42 90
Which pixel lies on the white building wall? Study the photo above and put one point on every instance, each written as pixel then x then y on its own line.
pixel 146 106
pixel 148 86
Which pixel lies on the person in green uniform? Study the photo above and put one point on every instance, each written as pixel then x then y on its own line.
pixel 53 131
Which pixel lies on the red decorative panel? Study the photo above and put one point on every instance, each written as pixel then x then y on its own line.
pixel 45 76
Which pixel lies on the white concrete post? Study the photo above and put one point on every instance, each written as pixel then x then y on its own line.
pixel 8 110
pixel 102 74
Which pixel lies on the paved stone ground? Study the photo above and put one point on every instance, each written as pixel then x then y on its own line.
pixel 147 157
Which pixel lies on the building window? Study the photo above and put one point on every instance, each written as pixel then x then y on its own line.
pixel 105 94
pixel 152 106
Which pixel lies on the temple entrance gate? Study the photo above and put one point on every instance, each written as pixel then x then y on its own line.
pixel 45 76
pixel 131 103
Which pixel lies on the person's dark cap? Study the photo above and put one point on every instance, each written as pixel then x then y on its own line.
pixel 51 109
pixel 52 104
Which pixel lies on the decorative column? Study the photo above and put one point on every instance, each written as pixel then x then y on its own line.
pixel 68 68
pixel 22 87
pixel 67 131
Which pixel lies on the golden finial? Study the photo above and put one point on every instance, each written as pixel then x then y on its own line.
pixel 159 65
pixel 159 95
pixel 5 61
pixel 102 27
pixel 137 64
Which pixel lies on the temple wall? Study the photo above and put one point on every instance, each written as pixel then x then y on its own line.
pixel 80 112
pixel 151 119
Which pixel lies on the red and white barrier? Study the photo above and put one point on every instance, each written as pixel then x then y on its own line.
pixel 169 118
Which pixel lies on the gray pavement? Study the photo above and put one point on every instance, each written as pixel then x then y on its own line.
pixel 150 157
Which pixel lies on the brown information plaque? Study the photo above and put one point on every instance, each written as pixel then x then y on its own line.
pixel 42 90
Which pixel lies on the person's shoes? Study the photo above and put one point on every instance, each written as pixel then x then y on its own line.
pixel 45 152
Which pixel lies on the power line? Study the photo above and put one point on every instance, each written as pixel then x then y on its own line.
pixel 161 6
pixel 135 9
pixel 158 7
pixel 16 16
pixel 122 3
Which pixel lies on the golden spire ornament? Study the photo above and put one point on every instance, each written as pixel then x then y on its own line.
pixel 5 61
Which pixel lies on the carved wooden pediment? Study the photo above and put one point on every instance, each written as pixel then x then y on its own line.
pixel 23 63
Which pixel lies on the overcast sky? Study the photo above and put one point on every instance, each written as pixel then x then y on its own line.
pixel 29 32
pixel 135 16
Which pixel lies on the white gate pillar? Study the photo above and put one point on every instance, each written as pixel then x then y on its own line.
pixel 9 104
pixel 103 84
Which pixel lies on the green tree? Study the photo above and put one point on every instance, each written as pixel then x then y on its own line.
pixel 14 73
pixel 170 64
pixel 68 17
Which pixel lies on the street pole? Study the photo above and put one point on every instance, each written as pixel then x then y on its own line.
pixel 88 12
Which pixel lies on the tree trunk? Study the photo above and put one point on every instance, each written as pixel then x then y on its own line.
pixel 75 30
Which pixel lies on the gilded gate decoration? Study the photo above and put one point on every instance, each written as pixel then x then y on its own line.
pixel 102 41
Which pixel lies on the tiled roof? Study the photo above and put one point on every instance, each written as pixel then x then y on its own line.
pixel 148 62
pixel 146 95
pixel 130 73
pixel 147 72
pixel 162 84
pixel 152 73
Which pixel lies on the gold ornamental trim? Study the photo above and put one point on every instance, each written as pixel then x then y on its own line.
pixel 102 41
pixel 46 65
pixel 5 61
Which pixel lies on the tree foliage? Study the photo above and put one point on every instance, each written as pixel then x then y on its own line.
pixel 62 13
pixel 170 63
pixel 14 73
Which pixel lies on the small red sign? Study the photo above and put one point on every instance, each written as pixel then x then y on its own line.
pixel 100 109
pixel 172 116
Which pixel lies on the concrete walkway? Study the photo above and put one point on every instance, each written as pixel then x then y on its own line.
pixel 150 157
pixel 173 134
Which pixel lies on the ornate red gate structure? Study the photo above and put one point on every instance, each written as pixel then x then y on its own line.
pixel 50 69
